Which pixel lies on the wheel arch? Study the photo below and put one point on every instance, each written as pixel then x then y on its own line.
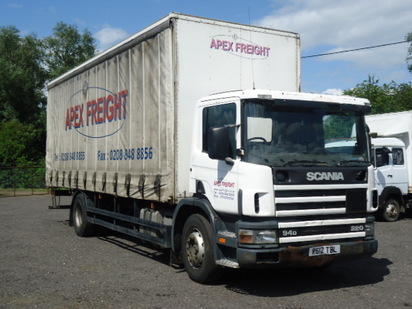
pixel 391 192
pixel 185 208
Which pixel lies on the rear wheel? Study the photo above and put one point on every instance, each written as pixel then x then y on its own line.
pixel 197 250
pixel 391 210
pixel 79 216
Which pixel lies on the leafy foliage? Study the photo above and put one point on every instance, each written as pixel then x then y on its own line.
pixel 22 76
pixel 384 98
pixel 67 48
pixel 22 177
pixel 18 143
pixel 26 64
pixel 338 127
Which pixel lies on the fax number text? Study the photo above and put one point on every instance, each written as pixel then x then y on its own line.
pixel 139 153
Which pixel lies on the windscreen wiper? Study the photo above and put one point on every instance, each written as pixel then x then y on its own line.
pixel 306 163
pixel 348 162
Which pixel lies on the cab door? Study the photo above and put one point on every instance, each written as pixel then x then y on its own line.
pixel 390 168
pixel 399 175
pixel 217 179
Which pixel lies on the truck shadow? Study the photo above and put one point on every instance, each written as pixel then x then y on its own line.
pixel 407 215
pixel 134 245
pixel 289 282
pixel 272 282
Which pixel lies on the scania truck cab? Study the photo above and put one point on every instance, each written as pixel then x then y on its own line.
pixel 281 195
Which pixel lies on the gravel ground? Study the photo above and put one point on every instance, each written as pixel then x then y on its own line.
pixel 45 265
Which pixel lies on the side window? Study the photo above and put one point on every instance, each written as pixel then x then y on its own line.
pixel 397 156
pixel 382 157
pixel 219 116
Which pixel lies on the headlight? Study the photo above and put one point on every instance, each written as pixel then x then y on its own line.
pixel 258 236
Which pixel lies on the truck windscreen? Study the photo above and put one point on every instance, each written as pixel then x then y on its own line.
pixel 303 134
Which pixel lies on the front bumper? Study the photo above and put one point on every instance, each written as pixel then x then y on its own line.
pixel 294 256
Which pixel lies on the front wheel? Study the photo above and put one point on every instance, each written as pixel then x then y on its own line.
pixel 391 210
pixel 197 250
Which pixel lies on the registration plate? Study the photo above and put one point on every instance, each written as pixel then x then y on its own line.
pixel 324 250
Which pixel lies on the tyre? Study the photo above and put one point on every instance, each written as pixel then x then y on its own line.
pixel 197 250
pixel 390 210
pixel 79 219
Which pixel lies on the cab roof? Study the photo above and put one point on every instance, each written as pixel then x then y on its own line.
pixel 282 95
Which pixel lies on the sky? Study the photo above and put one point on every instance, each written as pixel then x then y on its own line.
pixel 324 26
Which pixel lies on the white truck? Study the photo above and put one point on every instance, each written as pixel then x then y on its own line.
pixel 392 156
pixel 233 179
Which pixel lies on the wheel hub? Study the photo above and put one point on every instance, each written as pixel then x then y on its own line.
pixel 392 211
pixel 78 217
pixel 195 249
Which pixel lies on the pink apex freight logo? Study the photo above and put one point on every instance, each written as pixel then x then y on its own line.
pixel 239 47
pixel 109 108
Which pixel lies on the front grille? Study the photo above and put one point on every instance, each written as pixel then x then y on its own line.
pixel 307 201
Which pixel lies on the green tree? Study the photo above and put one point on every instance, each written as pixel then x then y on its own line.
pixel 18 143
pixel 338 127
pixel 384 98
pixel 26 64
pixel 22 76
pixel 67 48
